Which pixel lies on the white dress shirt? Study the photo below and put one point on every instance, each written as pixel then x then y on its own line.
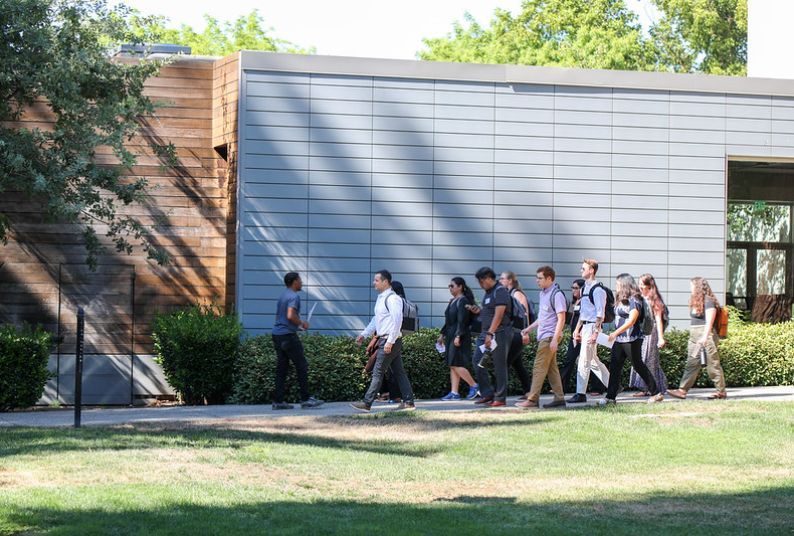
pixel 387 321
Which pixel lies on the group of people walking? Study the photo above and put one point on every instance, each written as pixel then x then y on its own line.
pixel 502 323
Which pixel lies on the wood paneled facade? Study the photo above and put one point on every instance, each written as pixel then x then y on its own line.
pixel 43 277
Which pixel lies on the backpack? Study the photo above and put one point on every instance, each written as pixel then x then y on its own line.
pixel 410 315
pixel 665 318
pixel 556 289
pixel 519 316
pixel 646 318
pixel 609 308
pixel 721 322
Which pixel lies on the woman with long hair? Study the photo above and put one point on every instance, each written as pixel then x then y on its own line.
pixel 653 342
pixel 703 307
pixel 515 355
pixel 627 339
pixel 456 337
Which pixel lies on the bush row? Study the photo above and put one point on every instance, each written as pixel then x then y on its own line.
pixel 203 358
pixel 24 352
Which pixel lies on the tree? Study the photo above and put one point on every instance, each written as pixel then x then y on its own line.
pixel 598 34
pixel 53 58
pixel 247 32
pixel 708 36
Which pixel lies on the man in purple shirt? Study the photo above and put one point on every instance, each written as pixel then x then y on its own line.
pixel 550 323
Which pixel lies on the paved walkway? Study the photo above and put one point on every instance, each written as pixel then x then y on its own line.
pixel 116 416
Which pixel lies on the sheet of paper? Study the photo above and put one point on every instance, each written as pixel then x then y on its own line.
pixel 493 346
pixel 603 340
pixel 441 348
pixel 311 312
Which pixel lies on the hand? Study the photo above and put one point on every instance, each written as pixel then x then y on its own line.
pixel 359 339
pixel 702 342
pixel 577 336
pixel 474 309
pixel 555 342
pixel 525 338
pixel 612 337
pixel 593 338
pixel 387 348
pixel 661 343
pixel 305 325
pixel 456 342
pixel 487 342
pixel 440 339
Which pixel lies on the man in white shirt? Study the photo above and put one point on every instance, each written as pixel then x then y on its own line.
pixel 591 317
pixel 387 323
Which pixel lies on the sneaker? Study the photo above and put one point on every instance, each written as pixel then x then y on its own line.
pixel 281 405
pixel 474 392
pixel 607 402
pixel 656 398
pixel 555 404
pixel 484 399
pixel 361 406
pixel 451 396
pixel 406 406
pixel 578 398
pixel 527 404
pixel 312 402
pixel 496 404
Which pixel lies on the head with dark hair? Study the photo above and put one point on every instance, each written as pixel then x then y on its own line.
pixel 577 286
pixel 397 287
pixel 290 280
pixel 651 293
pixel 626 288
pixel 382 280
pixel 486 277
pixel 460 283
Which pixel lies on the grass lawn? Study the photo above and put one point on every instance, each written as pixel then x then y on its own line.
pixel 688 468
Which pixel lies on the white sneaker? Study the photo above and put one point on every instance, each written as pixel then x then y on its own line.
pixel 658 397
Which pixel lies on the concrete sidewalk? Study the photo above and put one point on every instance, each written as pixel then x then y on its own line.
pixel 118 416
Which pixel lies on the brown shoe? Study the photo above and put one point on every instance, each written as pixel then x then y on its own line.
pixel 640 394
pixel 497 404
pixel 719 395
pixel 484 400
pixel 677 393
pixel 527 404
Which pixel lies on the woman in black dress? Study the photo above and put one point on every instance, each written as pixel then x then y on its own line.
pixel 456 336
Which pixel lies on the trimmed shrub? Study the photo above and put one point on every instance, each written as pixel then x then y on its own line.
pixel 24 353
pixel 336 370
pixel 198 349
pixel 753 354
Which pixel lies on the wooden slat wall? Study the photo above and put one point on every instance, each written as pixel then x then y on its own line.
pixel 187 209
pixel 225 91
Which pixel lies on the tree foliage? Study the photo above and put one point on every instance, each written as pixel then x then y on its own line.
pixel 707 36
pixel 53 58
pixel 247 32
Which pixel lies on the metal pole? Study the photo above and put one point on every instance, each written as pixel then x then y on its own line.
pixel 132 342
pixel 78 367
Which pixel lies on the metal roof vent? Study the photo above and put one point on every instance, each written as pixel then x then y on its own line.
pixel 148 50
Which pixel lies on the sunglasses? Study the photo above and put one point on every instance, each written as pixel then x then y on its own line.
pixel 451 285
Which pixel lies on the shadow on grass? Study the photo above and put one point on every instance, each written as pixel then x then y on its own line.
pixel 19 441
pixel 766 511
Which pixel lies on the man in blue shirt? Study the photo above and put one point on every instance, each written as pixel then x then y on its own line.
pixel 288 346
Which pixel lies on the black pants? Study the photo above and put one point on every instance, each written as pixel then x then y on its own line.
pixel 569 368
pixel 393 362
pixel 289 348
pixel 632 350
pixel 515 359
pixel 499 358
pixel 390 386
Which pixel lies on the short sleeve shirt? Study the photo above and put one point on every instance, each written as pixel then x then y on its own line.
pixel 622 312
pixel 590 310
pixel 282 326
pixel 700 320
pixel 498 295
pixel 547 316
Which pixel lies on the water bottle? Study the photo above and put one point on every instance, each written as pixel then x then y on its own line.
pixel 703 356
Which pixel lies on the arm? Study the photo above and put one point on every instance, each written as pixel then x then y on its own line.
pixel 660 330
pixel 559 307
pixel 499 313
pixel 463 316
pixel 396 312
pixel 294 317
pixel 600 302
pixel 711 316
pixel 368 331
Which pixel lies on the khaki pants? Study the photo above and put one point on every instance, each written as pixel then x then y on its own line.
pixel 713 366
pixel 589 362
pixel 545 365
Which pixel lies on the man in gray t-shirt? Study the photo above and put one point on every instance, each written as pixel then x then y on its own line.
pixel 288 346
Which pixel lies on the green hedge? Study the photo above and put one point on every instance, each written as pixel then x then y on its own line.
pixel 752 355
pixel 198 349
pixel 24 353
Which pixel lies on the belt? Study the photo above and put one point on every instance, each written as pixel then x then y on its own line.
pixel 588 322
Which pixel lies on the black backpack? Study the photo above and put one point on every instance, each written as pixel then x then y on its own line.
pixel 519 316
pixel 609 308
pixel 556 289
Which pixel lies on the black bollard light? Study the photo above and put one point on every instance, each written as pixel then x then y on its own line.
pixel 78 367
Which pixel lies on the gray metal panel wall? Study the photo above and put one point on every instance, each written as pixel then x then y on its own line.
pixel 342 175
